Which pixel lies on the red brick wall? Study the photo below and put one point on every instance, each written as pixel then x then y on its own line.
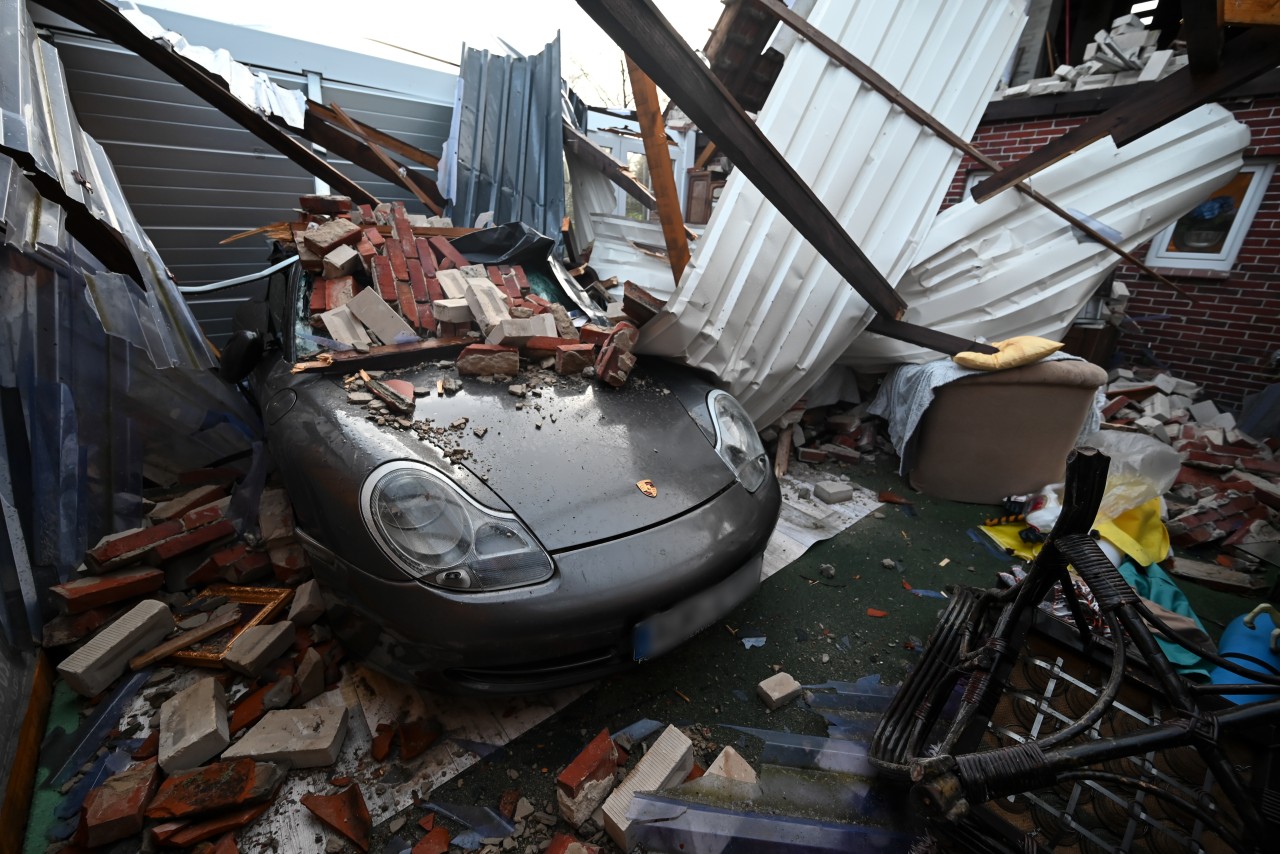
pixel 1225 340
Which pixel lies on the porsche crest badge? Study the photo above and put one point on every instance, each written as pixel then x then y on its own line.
pixel 648 488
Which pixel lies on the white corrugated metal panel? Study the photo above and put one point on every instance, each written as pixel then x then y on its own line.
pixel 757 306
pixel 633 250
pixel 1009 267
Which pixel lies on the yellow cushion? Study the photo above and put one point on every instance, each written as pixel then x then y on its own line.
pixel 1011 353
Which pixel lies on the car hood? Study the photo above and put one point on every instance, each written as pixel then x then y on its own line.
pixel 567 457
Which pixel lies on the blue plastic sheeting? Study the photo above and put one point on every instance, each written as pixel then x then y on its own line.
pixel 102 377
pixel 666 824
pixel 505 152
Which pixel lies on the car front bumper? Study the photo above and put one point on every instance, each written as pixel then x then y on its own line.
pixel 576 626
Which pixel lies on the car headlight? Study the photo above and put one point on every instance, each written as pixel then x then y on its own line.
pixel 440 535
pixel 737 441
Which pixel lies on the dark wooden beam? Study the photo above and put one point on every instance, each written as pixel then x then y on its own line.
pixel 658 154
pixel 922 336
pixel 1254 53
pixel 391 166
pixel 643 34
pixel 105 20
pixel 923 117
pixel 377 137
pixel 358 152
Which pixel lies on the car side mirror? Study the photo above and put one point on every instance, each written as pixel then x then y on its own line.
pixel 242 351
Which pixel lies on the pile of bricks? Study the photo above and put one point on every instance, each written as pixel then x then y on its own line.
pixel 1127 54
pixel 1228 489
pixel 375 283
pixel 187 592
pixel 820 435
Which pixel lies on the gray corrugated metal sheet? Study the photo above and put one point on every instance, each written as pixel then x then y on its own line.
pixel 758 306
pixel 1010 267
pixel 507 153
pixel 100 375
pixel 195 177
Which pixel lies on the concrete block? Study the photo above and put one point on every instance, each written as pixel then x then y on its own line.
pixel 343 327
pixel 1204 411
pixel 307 605
pixel 833 491
pixel 515 331
pixel 453 283
pixel 257 646
pixel 381 319
pixel 1225 420
pixel 300 738
pixel 480 360
pixel 1157 406
pixel 1156 64
pixel 94 666
pixel 488 304
pixel 1165 383
pixel 667 763
pixel 452 310
pixel 1095 81
pixel 340 261
pixel 778 690
pixel 193 726
pixel 310 676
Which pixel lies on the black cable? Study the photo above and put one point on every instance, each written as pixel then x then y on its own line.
pixel 1170 635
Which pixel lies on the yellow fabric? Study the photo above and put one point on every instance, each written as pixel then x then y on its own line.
pixel 1139 533
pixel 1013 352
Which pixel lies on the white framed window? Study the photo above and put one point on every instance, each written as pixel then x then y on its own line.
pixel 1210 235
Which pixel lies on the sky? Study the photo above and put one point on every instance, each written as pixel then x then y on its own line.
pixel 430 33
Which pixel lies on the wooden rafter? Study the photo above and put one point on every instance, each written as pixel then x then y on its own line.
pixel 661 176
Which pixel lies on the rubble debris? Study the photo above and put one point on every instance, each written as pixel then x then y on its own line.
pixel 778 690
pixel 729 776
pixel 299 738
pixel 563 843
pixel 480 360
pixel 193 726
pixel 586 781
pixel 307 605
pixel 666 763
pixel 93 667
pixel 833 491
pixel 214 787
pixel 416 736
pixel 345 812
pixel 114 810
pixel 83 594
pixel 257 646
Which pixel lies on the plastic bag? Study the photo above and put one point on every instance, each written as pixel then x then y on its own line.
pixel 1142 468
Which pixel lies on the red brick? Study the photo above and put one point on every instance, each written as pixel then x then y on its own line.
pixel 250 566
pixel 402 230
pixel 116 547
pixel 216 787
pixel 425 257
pixel 426 318
pixel 592 334
pixel 345 812
pixel 614 365
pixel 114 810
pixel 1198 477
pixel 638 304
pixel 507 280
pixel 573 359
pixel 1115 405
pixel 597 760
pixel 330 204
pixel 542 345
pixel 82 594
pixel 380 747
pixel 384 279
pixel 399 264
pixel 417 735
pixel 338 291
pixel 452 330
pixel 317 303
pixel 191 540
pixel 224 475
pixel 197 832
pixel 478 360
pixel 444 249
pixel 417 280
pixel 560 845
pixel 435 842
pixel 149 748
pixel 434 290
pixel 405 302
pixel 249 709
pixel 374 236
pixel 366 213
pixel 289 563
pixel 812 455
pixel 202 516
pixel 1260 466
